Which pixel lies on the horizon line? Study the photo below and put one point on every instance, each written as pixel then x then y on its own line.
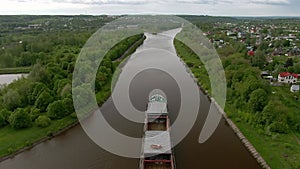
pixel 183 14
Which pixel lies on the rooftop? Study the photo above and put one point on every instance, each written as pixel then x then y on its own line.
pixel 285 74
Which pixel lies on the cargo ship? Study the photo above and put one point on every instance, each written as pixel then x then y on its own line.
pixel 157 146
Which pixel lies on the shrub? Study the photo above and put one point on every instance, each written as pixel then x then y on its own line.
pixel 258 100
pixel 34 114
pixel 279 127
pixel 43 101
pixel 60 108
pixel 5 114
pixel 43 121
pixel 2 121
pixel 20 119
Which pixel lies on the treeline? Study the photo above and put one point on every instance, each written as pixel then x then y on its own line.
pixel 111 61
pixel 46 94
pixel 22 51
pixel 249 97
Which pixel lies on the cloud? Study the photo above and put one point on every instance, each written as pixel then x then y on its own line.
pixel 139 2
pixel 271 2
pixel 90 1
pixel 100 2
pixel 197 7
pixel 205 1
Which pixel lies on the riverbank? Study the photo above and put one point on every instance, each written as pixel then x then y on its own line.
pixel 14 142
pixel 17 70
pixel 195 66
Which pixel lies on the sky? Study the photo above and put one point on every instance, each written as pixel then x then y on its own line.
pixel 117 7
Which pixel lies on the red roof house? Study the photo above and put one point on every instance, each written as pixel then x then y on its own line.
pixel 251 53
pixel 286 77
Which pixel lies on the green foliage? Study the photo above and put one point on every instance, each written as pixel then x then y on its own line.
pixel 56 110
pixel 20 119
pixel 34 113
pixel 66 91
pixel 2 121
pixel 43 100
pixel 4 115
pixel 36 89
pixel 43 121
pixel 68 105
pixel 279 127
pixel 11 99
pixel 258 100
pixel 289 62
pixel 259 59
pixel 275 113
pixel 297 68
pixel 39 74
pixel 60 108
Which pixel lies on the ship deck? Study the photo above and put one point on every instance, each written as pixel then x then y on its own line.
pixel 157 126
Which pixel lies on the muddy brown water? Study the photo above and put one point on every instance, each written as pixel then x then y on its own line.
pixel 75 150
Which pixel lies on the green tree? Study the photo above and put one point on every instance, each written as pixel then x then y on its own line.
pixel 274 111
pixel 286 43
pixel 263 46
pixel 2 121
pixel 34 113
pixel 68 105
pixel 279 127
pixel 4 117
pixel 43 121
pixel 20 119
pixel 289 62
pixel 43 101
pixel 258 100
pixel 39 74
pixel 259 59
pixel 11 99
pixel 58 110
pixel 36 90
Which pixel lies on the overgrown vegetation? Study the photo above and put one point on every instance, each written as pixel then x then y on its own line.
pixel 35 107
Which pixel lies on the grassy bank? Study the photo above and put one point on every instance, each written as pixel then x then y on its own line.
pixel 14 141
pixel 11 140
pixel 280 151
pixel 16 70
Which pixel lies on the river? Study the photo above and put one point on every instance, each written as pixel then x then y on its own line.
pixel 74 150
pixel 9 78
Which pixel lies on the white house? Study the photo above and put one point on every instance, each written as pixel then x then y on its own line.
pixel 295 88
pixel 287 77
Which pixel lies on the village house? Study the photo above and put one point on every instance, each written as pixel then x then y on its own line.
pixel 287 77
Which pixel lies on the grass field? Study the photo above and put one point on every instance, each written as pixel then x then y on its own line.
pixel 281 151
pixel 12 140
